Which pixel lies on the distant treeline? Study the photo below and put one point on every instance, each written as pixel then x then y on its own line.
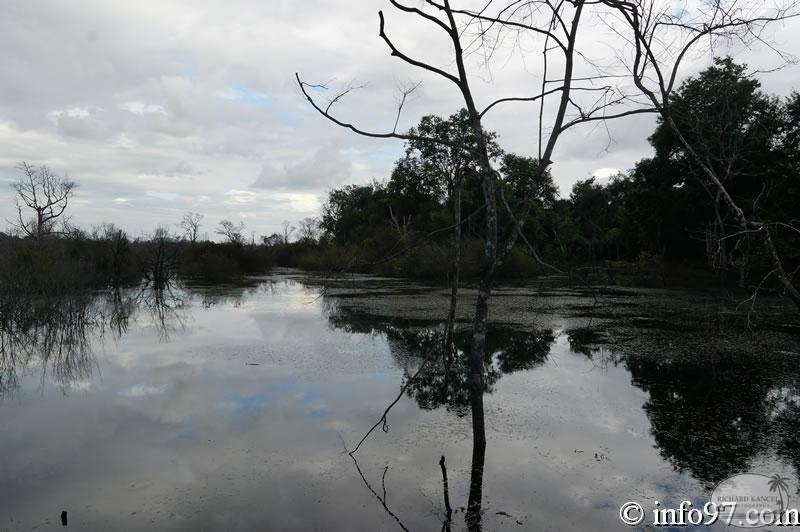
pixel 79 260
pixel 661 215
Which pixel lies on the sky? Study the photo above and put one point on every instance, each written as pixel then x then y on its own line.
pixel 160 107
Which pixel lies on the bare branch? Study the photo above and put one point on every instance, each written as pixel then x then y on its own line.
pixel 409 60
pixel 388 135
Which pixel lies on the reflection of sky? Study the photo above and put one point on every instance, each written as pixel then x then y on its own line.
pixel 186 434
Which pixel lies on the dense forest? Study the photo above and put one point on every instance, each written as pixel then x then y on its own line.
pixel 659 211
pixel 660 216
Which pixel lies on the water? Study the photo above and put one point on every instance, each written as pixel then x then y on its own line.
pixel 231 408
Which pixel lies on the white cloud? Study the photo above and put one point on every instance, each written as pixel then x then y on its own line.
pixel 142 390
pixel 605 173
pixel 141 109
pixel 192 105
pixel 324 167
pixel 240 197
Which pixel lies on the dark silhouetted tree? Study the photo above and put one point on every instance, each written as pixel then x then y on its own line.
pixel 46 194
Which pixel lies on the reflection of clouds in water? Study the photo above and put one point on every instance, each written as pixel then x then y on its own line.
pixel 142 390
pixel 186 428
pixel 781 399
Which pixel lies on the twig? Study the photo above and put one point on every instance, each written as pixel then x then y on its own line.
pixel 382 421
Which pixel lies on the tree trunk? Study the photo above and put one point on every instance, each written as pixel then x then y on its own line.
pixel 449 345
pixel 788 287
pixel 474 501
pixel 478 348
pixel 446 489
pixel 741 218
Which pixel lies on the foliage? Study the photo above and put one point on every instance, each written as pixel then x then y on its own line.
pixel 661 214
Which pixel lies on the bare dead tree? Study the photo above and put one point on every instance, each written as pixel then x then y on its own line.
pixel 556 26
pixel 45 193
pixel 308 229
pixel 288 229
pixel 660 37
pixel 233 233
pixel 190 223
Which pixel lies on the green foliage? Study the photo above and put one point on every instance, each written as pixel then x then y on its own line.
pixel 349 209
pixel 217 262
pixel 521 178
pixel 404 226
pixel 107 258
pixel 659 213
pixel 209 262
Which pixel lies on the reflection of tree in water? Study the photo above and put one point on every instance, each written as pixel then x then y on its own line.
pixel 117 307
pixel 417 345
pixel 708 417
pixel 55 333
pixel 584 340
pixel 712 414
pixel 784 403
pixel 508 350
pixel 234 294
pixel 165 304
pixel 52 333
pixel 412 341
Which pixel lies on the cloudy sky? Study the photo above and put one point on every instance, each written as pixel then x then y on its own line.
pixel 159 107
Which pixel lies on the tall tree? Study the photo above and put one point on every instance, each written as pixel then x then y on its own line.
pixel 734 127
pixel 443 166
pixel 558 29
pixel 352 207
pixel 557 26
pixel 660 36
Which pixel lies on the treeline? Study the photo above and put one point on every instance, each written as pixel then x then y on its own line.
pixel 78 260
pixel 661 212
pixel 662 215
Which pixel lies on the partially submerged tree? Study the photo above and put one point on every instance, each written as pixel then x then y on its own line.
pixel 118 258
pixel 443 165
pixel 161 260
pixel 555 26
pixel 660 36
pixel 46 194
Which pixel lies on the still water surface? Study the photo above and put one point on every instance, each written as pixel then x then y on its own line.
pixel 230 408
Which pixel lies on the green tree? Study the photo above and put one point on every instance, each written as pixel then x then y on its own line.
pixel 349 209
pixel 730 143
